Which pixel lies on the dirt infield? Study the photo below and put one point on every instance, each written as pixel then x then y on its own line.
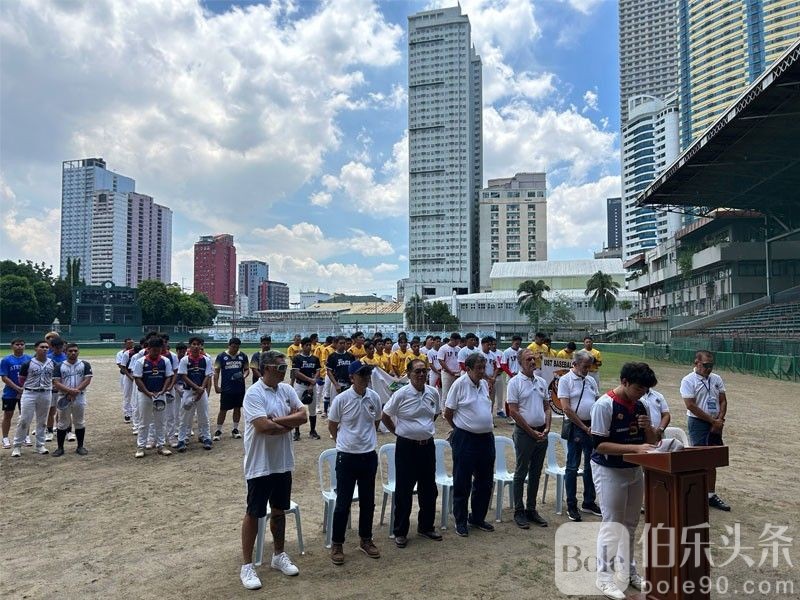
pixel 108 525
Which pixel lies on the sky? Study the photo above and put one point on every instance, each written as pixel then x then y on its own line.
pixel 285 123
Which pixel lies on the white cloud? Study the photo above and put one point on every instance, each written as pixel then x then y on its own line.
pixel 386 268
pixel 36 238
pixel 590 100
pixel 321 199
pixel 308 241
pixel 576 215
pixel 583 6
pixel 357 182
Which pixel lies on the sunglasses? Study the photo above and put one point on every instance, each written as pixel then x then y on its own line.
pixel 707 365
pixel 280 368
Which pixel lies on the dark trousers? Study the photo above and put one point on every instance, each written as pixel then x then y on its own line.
pixel 530 454
pixel 579 444
pixel 352 469
pixel 415 464
pixel 473 474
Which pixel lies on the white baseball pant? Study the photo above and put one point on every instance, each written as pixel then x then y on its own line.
pixel 73 415
pixel 127 395
pixel 447 381
pixel 32 404
pixel 200 407
pixel 150 417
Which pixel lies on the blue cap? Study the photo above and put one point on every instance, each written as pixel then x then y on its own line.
pixel 359 367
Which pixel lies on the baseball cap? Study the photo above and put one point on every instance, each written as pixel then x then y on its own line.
pixel 359 367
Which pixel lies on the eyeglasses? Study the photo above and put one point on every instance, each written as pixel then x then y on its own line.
pixel 419 371
pixel 707 365
pixel 280 368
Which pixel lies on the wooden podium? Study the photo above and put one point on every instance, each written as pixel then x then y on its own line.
pixel 676 498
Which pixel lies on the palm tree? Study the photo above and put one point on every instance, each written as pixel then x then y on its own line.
pixel 604 292
pixel 530 300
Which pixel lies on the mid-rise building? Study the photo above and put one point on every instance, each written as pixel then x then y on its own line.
pixel 80 182
pixel 649 145
pixel 513 222
pixel 273 295
pixel 445 163
pixel 648 50
pixel 724 46
pixel 215 268
pixel 251 274
pixel 614 222
pixel 149 241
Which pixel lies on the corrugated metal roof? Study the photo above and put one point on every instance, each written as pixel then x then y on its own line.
pixel 556 268
pixel 506 295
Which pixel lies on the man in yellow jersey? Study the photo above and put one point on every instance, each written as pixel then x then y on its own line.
pixel 567 352
pixel 594 370
pixel 314 343
pixel 357 349
pixel 550 351
pixel 370 358
pixel 382 352
pixel 294 348
pixel 400 358
pixel 539 349
pixel 321 352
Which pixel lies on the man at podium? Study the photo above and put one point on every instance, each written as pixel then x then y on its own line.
pixel 620 425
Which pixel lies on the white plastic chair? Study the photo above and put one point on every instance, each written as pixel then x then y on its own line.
pixel 502 476
pixel 678 434
pixel 327 465
pixel 262 526
pixel 553 468
pixel 443 480
pixel 388 482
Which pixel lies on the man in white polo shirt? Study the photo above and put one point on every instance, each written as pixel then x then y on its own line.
pixel 352 421
pixel 658 409
pixel 703 392
pixel 448 363
pixel 528 406
pixel 577 392
pixel 410 414
pixel 469 411
pixel 509 365
pixel 271 410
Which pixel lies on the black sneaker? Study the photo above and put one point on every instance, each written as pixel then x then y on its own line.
pixel 217 435
pixel 296 436
pixel 520 520
pixel 127 418
pixel 573 514
pixel 717 502
pixel 401 541
pixel 591 508
pixel 483 526
pixel 58 452
pixel 535 517
pixel 431 535
pixel 462 529
pixel 235 434
pixel 313 435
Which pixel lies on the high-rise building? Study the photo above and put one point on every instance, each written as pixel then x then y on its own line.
pixel 649 145
pixel 80 181
pixel 273 295
pixel 149 240
pixel 251 274
pixel 724 46
pixel 513 222
pixel 215 268
pixel 445 144
pixel 614 222
pixel 648 50
pixel 108 240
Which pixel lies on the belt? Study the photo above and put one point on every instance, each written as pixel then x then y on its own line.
pixel 538 428
pixel 417 442
pixel 38 390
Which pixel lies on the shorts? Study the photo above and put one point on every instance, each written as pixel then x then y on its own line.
pixel 699 432
pixel 231 400
pixel 10 403
pixel 275 488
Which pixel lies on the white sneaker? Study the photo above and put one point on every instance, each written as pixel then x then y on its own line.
pixel 6 443
pixel 28 441
pixel 42 450
pixel 150 445
pixel 16 452
pixel 249 578
pixel 610 590
pixel 283 563
pixel 139 453
pixel 48 437
pixel 71 437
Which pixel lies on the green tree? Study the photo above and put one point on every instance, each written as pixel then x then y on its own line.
pixel 415 312
pixel 625 304
pixel 163 304
pixel 603 290
pixel 18 303
pixel 559 313
pixel 438 314
pixel 531 301
pixel 46 301
pixel 63 294
pixel 155 302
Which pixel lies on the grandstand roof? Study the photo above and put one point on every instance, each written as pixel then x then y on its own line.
pixel 555 268
pixel 342 298
pixel 750 156
pixel 367 308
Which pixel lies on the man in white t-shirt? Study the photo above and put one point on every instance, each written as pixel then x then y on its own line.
pixel 469 412
pixel 659 410
pixel 492 369
pixel 706 401
pixel 448 363
pixel 577 392
pixel 432 345
pixel 352 422
pixel 509 365
pixel 271 409
pixel 471 347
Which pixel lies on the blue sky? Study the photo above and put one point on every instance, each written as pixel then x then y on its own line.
pixel 285 123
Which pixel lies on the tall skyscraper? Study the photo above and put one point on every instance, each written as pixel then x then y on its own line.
pixel 648 50
pixel 445 145
pixel 80 181
pixel 108 238
pixel 251 274
pixel 724 46
pixel 149 235
pixel 650 145
pixel 513 222
pixel 215 268
pixel 614 222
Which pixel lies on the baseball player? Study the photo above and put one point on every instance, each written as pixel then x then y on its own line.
pixel 36 378
pixel 70 379
pixel 57 355
pixel 152 374
pixel 306 371
pixel 194 373
pixel 125 382
pixel 232 368
pixel 9 371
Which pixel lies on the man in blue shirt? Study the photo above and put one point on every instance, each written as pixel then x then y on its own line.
pixel 9 371
pixel 58 356
pixel 230 373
